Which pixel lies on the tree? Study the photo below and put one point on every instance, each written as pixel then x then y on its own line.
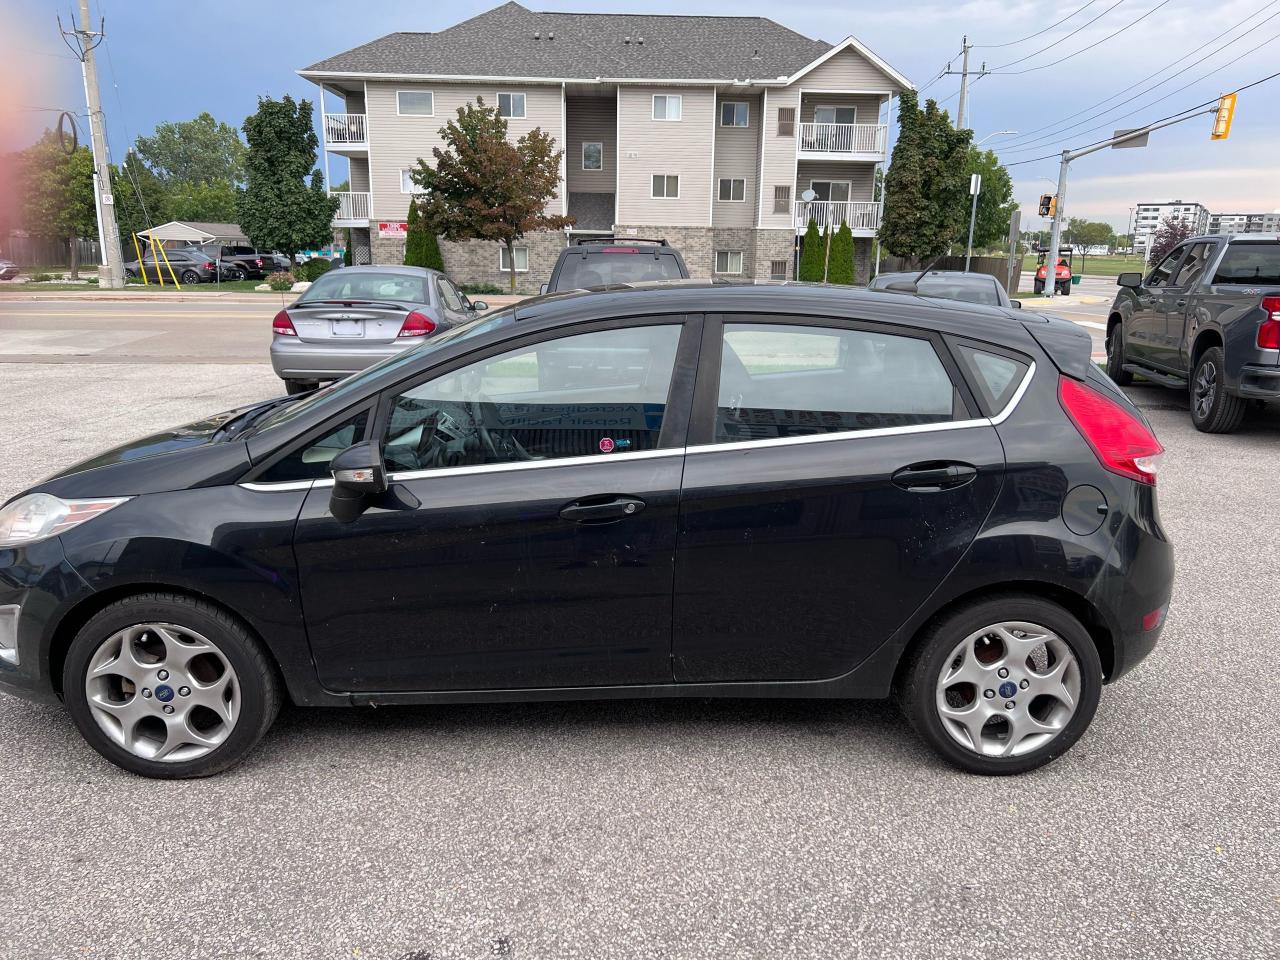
pixel 840 260
pixel 203 150
pixel 926 188
pixel 141 201
pixel 812 254
pixel 484 187
pixel 1171 232
pixel 995 201
pixel 346 247
pixel 1083 234
pixel 420 247
pixel 56 190
pixel 284 205
pixel 213 201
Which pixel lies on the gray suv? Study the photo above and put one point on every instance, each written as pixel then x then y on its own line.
pixel 350 319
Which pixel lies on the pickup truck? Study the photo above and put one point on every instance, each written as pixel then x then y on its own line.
pixel 1205 319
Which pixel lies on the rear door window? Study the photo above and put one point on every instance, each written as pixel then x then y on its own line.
pixel 623 265
pixel 1250 264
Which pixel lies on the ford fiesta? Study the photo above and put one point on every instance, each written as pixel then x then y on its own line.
pixel 691 490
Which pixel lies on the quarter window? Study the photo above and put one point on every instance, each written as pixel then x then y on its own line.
pixel 997 377
pixel 666 186
pixel 415 103
pixel 522 259
pixel 511 105
pixel 779 380
pixel 667 106
pixel 733 188
pixel 593 156
pixel 728 261
pixel 595 394
pixel 733 114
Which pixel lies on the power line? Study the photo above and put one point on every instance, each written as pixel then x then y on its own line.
pixel 1029 139
pixel 1031 36
pixel 1054 63
pixel 1013 63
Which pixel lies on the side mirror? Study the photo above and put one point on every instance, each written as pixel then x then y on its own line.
pixel 1132 280
pixel 1016 304
pixel 358 473
pixel 479 306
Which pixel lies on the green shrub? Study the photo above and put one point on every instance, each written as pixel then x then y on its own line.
pixel 282 280
pixel 480 288
pixel 812 254
pixel 840 263
pixel 421 248
pixel 312 270
pixel 346 249
pixel 41 277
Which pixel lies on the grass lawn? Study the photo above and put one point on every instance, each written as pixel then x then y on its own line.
pixel 1095 266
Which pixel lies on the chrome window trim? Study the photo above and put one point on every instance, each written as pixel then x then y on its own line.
pixel 280 487
pixel 536 464
pixel 1012 405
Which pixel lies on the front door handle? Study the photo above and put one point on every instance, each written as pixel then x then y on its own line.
pixel 615 508
pixel 934 475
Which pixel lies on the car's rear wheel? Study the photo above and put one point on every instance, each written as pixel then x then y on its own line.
pixel 1115 356
pixel 190 276
pixel 1002 685
pixel 292 387
pixel 169 687
pixel 237 273
pixel 1213 410
pixel 1064 288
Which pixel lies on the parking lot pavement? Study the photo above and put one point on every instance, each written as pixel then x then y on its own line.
pixel 672 829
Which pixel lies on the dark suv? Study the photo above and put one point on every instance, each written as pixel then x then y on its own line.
pixel 1206 319
pixel 691 490
pixel 605 261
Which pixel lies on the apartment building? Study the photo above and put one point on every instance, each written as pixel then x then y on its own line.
pixel 1147 217
pixel 708 131
pixel 1229 223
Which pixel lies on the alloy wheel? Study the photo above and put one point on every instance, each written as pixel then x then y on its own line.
pixel 1206 389
pixel 162 692
pixel 1008 689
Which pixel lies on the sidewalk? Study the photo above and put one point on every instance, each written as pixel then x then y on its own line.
pixel 496 301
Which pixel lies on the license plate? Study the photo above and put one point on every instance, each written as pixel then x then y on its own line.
pixel 348 328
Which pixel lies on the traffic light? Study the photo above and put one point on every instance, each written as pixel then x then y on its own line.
pixel 1046 204
pixel 1222 122
pixel 1053 207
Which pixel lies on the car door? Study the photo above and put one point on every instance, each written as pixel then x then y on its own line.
pixel 836 472
pixel 1144 334
pixel 1175 300
pixel 528 536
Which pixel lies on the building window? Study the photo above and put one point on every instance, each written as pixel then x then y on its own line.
pixel 836 191
pixel 782 198
pixel 733 189
pixel 666 186
pixel 406 182
pixel 593 156
pixel 777 269
pixel 522 259
pixel 733 114
pixel 666 106
pixel 835 114
pixel 786 121
pixel 511 105
pixel 728 261
pixel 415 103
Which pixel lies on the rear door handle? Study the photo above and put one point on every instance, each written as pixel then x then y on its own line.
pixel 616 508
pixel 934 476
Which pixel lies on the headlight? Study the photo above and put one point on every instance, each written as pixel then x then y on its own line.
pixel 38 516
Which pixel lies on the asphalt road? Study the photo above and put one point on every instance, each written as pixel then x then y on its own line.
pixel 668 829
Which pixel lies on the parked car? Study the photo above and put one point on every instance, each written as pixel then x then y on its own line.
pixel 602 261
pixel 240 262
pixel 189 265
pixel 948 284
pixel 1206 318
pixel 8 269
pixel 703 490
pixel 351 318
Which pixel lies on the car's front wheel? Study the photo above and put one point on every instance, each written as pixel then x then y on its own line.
pixel 1115 356
pixel 1213 410
pixel 1002 685
pixel 169 686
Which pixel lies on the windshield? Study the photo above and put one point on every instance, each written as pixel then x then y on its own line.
pixel 355 284
pixel 970 291
pixel 601 269
pixel 338 392
pixel 1250 263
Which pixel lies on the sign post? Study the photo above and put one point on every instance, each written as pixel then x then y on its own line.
pixel 975 187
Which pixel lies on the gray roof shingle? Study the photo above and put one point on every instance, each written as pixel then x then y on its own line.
pixel 500 43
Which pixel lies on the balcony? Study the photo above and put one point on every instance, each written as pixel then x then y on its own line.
pixel 862 216
pixel 353 209
pixel 842 141
pixel 346 133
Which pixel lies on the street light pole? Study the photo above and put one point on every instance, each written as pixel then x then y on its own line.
pixel 998 133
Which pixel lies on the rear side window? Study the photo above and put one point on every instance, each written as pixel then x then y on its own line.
pixel 996 376
pixel 1250 263
pixel 781 380
pixel 626 265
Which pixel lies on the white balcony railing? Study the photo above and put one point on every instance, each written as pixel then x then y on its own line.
pixel 344 129
pixel 351 205
pixel 867 138
pixel 858 214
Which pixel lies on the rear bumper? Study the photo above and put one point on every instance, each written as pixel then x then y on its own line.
pixel 1259 383
pixel 294 360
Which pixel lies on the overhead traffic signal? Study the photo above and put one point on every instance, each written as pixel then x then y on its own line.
pixel 1222 122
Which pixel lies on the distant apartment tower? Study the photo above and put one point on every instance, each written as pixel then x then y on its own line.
pixel 1148 216
pixel 1228 223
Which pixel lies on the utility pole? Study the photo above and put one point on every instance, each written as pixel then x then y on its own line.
pixel 962 106
pixel 110 271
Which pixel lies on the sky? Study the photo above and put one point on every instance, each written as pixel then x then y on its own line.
pixel 156 66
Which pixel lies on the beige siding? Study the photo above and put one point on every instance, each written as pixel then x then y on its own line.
pixel 861 177
pixel 848 70
pixel 868 107
pixel 396 143
pixel 738 156
pixel 649 147
pixel 359 174
pixel 778 155
pixel 592 119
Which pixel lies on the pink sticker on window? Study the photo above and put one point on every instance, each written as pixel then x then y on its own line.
pixel 606 444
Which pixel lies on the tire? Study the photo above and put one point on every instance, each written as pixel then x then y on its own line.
pixel 1115 356
pixel 1213 410
pixel 237 273
pixel 1064 289
pixel 189 277
pixel 1056 726
pixel 1038 286
pixel 294 387
pixel 157 629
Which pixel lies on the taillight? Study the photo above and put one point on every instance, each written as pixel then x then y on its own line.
pixel 283 325
pixel 416 325
pixel 620 250
pixel 1269 329
pixel 1121 441
pixel 258 262
pixel 210 266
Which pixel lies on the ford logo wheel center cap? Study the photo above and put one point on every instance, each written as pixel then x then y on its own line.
pixel 1007 689
pixel 164 693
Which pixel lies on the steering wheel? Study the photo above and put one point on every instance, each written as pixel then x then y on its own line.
pixel 505 446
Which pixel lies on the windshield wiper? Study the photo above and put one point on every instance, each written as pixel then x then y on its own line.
pixel 238 425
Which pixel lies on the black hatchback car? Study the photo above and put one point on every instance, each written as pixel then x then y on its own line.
pixel 691 490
